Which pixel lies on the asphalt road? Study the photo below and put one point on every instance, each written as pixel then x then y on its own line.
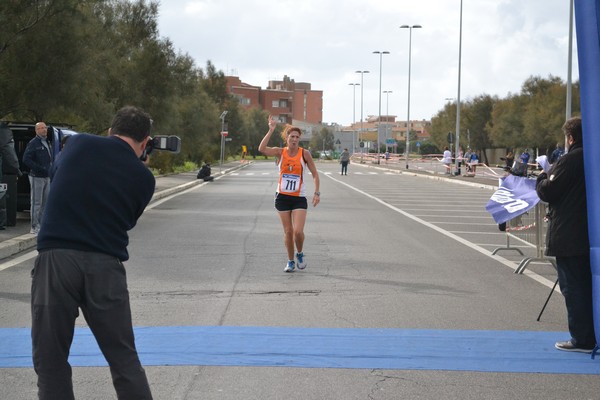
pixel 385 250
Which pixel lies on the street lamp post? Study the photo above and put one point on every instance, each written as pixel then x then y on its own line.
pixel 361 107
pixel 568 110
pixel 457 153
pixel 354 85
pixel 223 134
pixel 410 28
pixel 458 94
pixel 381 53
pixel 387 113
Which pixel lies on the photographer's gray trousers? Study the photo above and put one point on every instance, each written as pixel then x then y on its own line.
pixel 63 281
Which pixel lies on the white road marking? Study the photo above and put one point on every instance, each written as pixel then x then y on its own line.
pixel 502 260
pixel 18 260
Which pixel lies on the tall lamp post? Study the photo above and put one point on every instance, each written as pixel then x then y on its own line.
pixel 223 134
pixel 387 114
pixel 458 94
pixel 451 100
pixel 410 28
pixel 381 53
pixel 568 110
pixel 354 85
pixel 362 73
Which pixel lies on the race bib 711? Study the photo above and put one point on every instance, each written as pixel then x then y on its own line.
pixel 290 183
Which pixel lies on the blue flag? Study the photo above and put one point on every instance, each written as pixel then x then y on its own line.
pixel 515 196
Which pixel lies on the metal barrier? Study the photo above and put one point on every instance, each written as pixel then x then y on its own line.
pixel 529 228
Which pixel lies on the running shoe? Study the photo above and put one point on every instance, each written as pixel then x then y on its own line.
pixel 290 266
pixel 301 260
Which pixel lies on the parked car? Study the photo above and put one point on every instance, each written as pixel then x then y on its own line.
pixel 325 155
pixel 23 133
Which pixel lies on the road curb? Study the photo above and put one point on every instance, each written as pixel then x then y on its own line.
pixel 16 245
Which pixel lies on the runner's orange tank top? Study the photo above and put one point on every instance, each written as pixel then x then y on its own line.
pixel 291 174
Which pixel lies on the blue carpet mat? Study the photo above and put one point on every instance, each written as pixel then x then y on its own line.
pixel 411 349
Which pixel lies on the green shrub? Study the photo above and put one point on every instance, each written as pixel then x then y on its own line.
pixel 186 167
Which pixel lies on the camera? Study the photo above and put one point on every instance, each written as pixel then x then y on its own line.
pixel 162 142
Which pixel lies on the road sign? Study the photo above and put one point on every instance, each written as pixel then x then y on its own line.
pixel 225 133
pixel 418 144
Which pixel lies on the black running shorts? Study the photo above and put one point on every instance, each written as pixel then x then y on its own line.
pixel 283 202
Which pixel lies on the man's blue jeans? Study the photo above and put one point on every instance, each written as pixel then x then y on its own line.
pixel 575 279
pixel 39 193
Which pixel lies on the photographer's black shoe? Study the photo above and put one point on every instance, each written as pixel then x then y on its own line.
pixel 568 346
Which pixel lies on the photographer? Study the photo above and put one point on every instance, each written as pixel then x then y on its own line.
pixel 99 190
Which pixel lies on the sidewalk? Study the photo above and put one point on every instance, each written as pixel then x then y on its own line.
pixel 15 239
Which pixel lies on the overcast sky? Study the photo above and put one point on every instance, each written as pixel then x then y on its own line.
pixel 324 42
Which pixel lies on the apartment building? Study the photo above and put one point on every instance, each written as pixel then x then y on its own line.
pixel 288 101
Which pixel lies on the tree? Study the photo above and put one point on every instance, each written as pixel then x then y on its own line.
pixel 78 61
pixel 39 55
pixel 442 123
pixel 254 129
pixel 477 120
pixel 323 140
pixel 545 113
pixel 214 84
pixel 533 118
pixel 19 17
pixel 506 128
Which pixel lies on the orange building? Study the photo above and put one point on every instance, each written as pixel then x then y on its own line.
pixel 288 101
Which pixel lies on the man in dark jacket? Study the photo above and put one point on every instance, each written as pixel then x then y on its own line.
pixel 563 188
pixel 10 165
pixel 99 190
pixel 38 157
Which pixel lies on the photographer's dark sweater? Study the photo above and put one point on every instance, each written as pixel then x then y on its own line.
pixel 99 190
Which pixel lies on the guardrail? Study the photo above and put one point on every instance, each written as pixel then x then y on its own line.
pixel 430 163
pixel 529 228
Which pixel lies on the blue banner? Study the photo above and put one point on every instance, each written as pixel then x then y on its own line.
pixel 587 16
pixel 515 196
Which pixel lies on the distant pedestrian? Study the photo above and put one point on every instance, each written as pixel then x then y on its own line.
pixel 473 162
pixel 38 158
pixel 509 160
pixel 290 198
pixel 345 160
pixel 467 159
pixel 556 154
pixel 447 160
pixel 459 160
pixel 563 188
